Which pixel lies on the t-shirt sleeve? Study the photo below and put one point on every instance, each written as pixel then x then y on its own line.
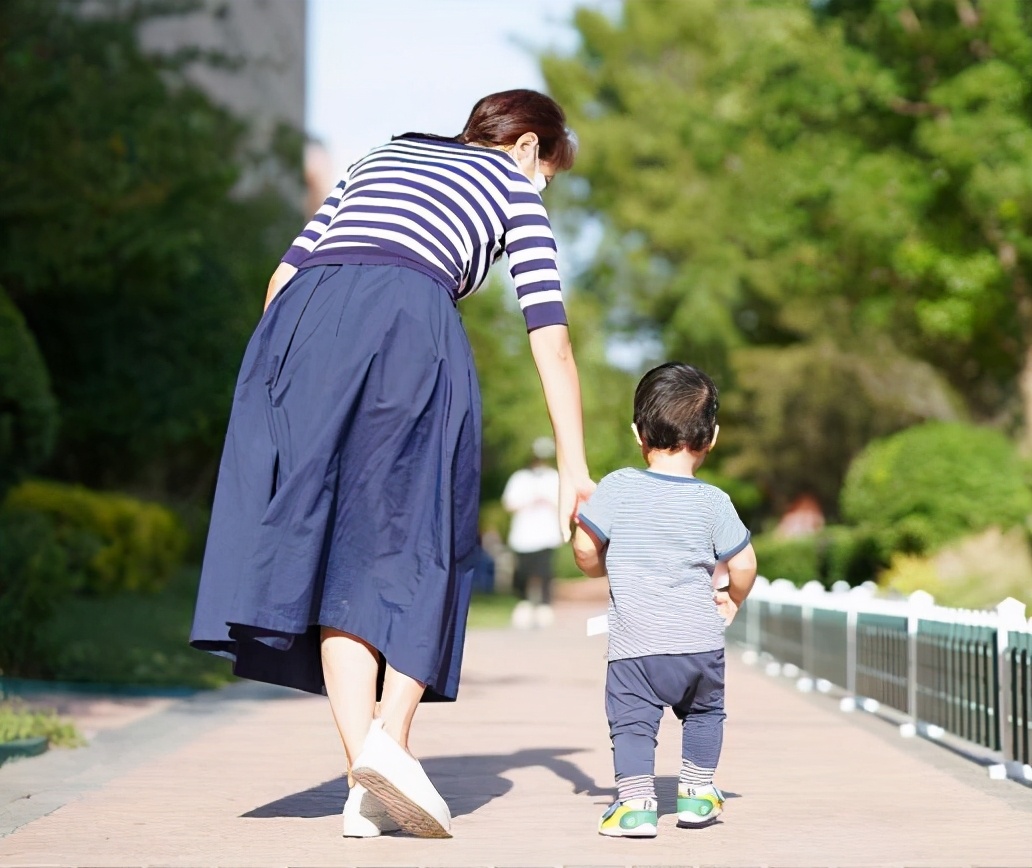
pixel 530 246
pixel 730 535
pixel 598 513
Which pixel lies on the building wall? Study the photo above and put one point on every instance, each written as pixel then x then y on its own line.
pixel 267 86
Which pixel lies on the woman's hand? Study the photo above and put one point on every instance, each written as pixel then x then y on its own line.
pixel 573 491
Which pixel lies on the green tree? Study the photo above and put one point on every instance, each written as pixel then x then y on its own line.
pixel 789 173
pixel 137 271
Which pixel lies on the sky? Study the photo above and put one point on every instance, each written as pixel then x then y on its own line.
pixel 377 68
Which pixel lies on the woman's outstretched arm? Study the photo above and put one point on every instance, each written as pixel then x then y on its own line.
pixel 553 357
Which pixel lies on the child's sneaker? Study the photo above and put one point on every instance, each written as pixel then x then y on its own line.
pixel 698 806
pixel 635 818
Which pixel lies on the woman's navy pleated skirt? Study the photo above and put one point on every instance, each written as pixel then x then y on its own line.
pixel 348 490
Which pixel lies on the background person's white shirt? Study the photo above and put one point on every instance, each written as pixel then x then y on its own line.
pixel 532 496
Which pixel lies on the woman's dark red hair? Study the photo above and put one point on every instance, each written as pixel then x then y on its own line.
pixel 501 118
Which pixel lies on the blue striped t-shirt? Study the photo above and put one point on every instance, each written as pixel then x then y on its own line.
pixel 665 535
pixel 447 209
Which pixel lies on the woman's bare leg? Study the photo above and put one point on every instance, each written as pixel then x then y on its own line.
pixel 349 669
pixel 398 704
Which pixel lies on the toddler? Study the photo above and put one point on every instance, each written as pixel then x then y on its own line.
pixel 679 562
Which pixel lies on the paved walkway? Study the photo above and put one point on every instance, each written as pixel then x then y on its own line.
pixel 251 776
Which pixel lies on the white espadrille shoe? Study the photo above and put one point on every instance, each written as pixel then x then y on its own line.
pixel 365 816
pixel 397 779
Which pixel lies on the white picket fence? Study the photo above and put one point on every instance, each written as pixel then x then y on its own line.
pixel 955 673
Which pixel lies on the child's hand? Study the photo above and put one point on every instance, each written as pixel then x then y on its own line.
pixel 721 576
pixel 726 607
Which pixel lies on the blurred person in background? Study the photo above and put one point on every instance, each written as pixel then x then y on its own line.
pixel 341 549
pixel 532 496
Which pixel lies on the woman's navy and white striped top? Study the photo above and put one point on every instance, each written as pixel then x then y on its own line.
pixel 446 209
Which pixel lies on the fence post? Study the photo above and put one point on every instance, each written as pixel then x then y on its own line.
pixel 857 596
pixel 810 590
pixel 1010 615
pixel 917 602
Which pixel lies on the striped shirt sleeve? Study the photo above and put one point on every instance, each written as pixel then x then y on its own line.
pixel 598 513
pixel 730 535
pixel 316 228
pixel 530 246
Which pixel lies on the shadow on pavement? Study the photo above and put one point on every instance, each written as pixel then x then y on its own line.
pixel 666 793
pixel 466 782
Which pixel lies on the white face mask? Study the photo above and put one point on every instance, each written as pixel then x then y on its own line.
pixel 538 180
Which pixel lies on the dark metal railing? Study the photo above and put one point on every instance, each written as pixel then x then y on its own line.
pixel 1018 684
pixel 957 675
pixel 965 673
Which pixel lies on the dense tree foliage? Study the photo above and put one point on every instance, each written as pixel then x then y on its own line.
pixel 137 271
pixel 855 173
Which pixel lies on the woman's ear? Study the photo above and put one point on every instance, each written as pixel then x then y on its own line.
pixel 524 147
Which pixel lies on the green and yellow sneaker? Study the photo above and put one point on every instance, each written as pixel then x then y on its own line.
pixel 698 806
pixel 635 818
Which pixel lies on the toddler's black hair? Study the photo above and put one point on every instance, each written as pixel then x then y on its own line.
pixel 675 406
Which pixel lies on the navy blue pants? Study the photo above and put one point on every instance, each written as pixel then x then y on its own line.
pixel 639 689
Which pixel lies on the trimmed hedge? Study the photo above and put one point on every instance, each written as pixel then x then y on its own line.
pixel 837 553
pixel 114 542
pixel 796 558
pixel 931 484
pixel 34 577
pixel 28 411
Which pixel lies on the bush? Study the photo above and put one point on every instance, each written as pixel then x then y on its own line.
pixel 18 721
pixel 34 577
pixel 851 555
pixel 795 558
pixel 934 483
pixel 28 411
pixel 117 543
pixel 837 553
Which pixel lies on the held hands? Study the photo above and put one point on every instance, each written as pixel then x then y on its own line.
pixel 573 491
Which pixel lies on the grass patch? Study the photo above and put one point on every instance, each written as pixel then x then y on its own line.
pixel 132 638
pixel 141 639
pixel 18 721
pixel 490 611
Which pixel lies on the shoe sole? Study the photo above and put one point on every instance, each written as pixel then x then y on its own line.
pixel 350 831
pixel 646 830
pixel 710 821
pixel 406 813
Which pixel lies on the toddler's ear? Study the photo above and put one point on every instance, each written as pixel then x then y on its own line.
pixel 637 436
pixel 716 433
